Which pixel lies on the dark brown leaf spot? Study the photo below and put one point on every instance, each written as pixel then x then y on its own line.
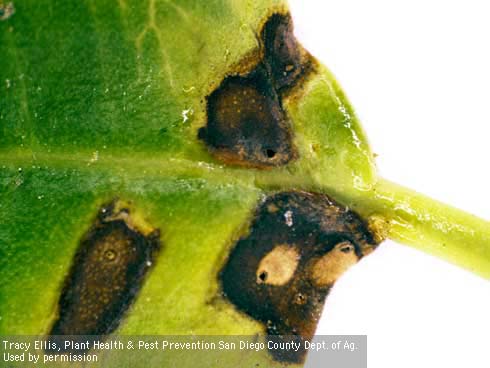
pixel 106 275
pixel 325 239
pixel 246 123
pixel 284 56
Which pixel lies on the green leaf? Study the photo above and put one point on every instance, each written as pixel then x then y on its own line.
pixel 103 100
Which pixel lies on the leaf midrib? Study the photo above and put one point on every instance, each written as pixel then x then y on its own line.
pixel 164 166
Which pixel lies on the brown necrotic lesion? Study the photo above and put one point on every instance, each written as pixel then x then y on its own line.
pixel 246 122
pixel 298 245
pixel 284 56
pixel 107 273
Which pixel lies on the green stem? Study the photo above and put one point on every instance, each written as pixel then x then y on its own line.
pixel 429 225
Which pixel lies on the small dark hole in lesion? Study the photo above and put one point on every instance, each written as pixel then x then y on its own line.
pixel 110 255
pixel 270 153
pixel 300 299
pixel 347 248
pixel 201 133
pixel 263 276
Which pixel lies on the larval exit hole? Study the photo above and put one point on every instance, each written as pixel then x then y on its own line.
pixel 278 266
pixel 247 125
pixel 246 122
pixel 346 247
pixel 333 264
pixel 262 277
pixel 281 271
pixel 270 153
pixel 300 299
pixel 110 255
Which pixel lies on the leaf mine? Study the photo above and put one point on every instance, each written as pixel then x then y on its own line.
pixel 284 56
pixel 107 273
pixel 298 245
pixel 246 122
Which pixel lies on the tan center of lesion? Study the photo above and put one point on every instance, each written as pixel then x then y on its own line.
pixel 333 264
pixel 278 266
